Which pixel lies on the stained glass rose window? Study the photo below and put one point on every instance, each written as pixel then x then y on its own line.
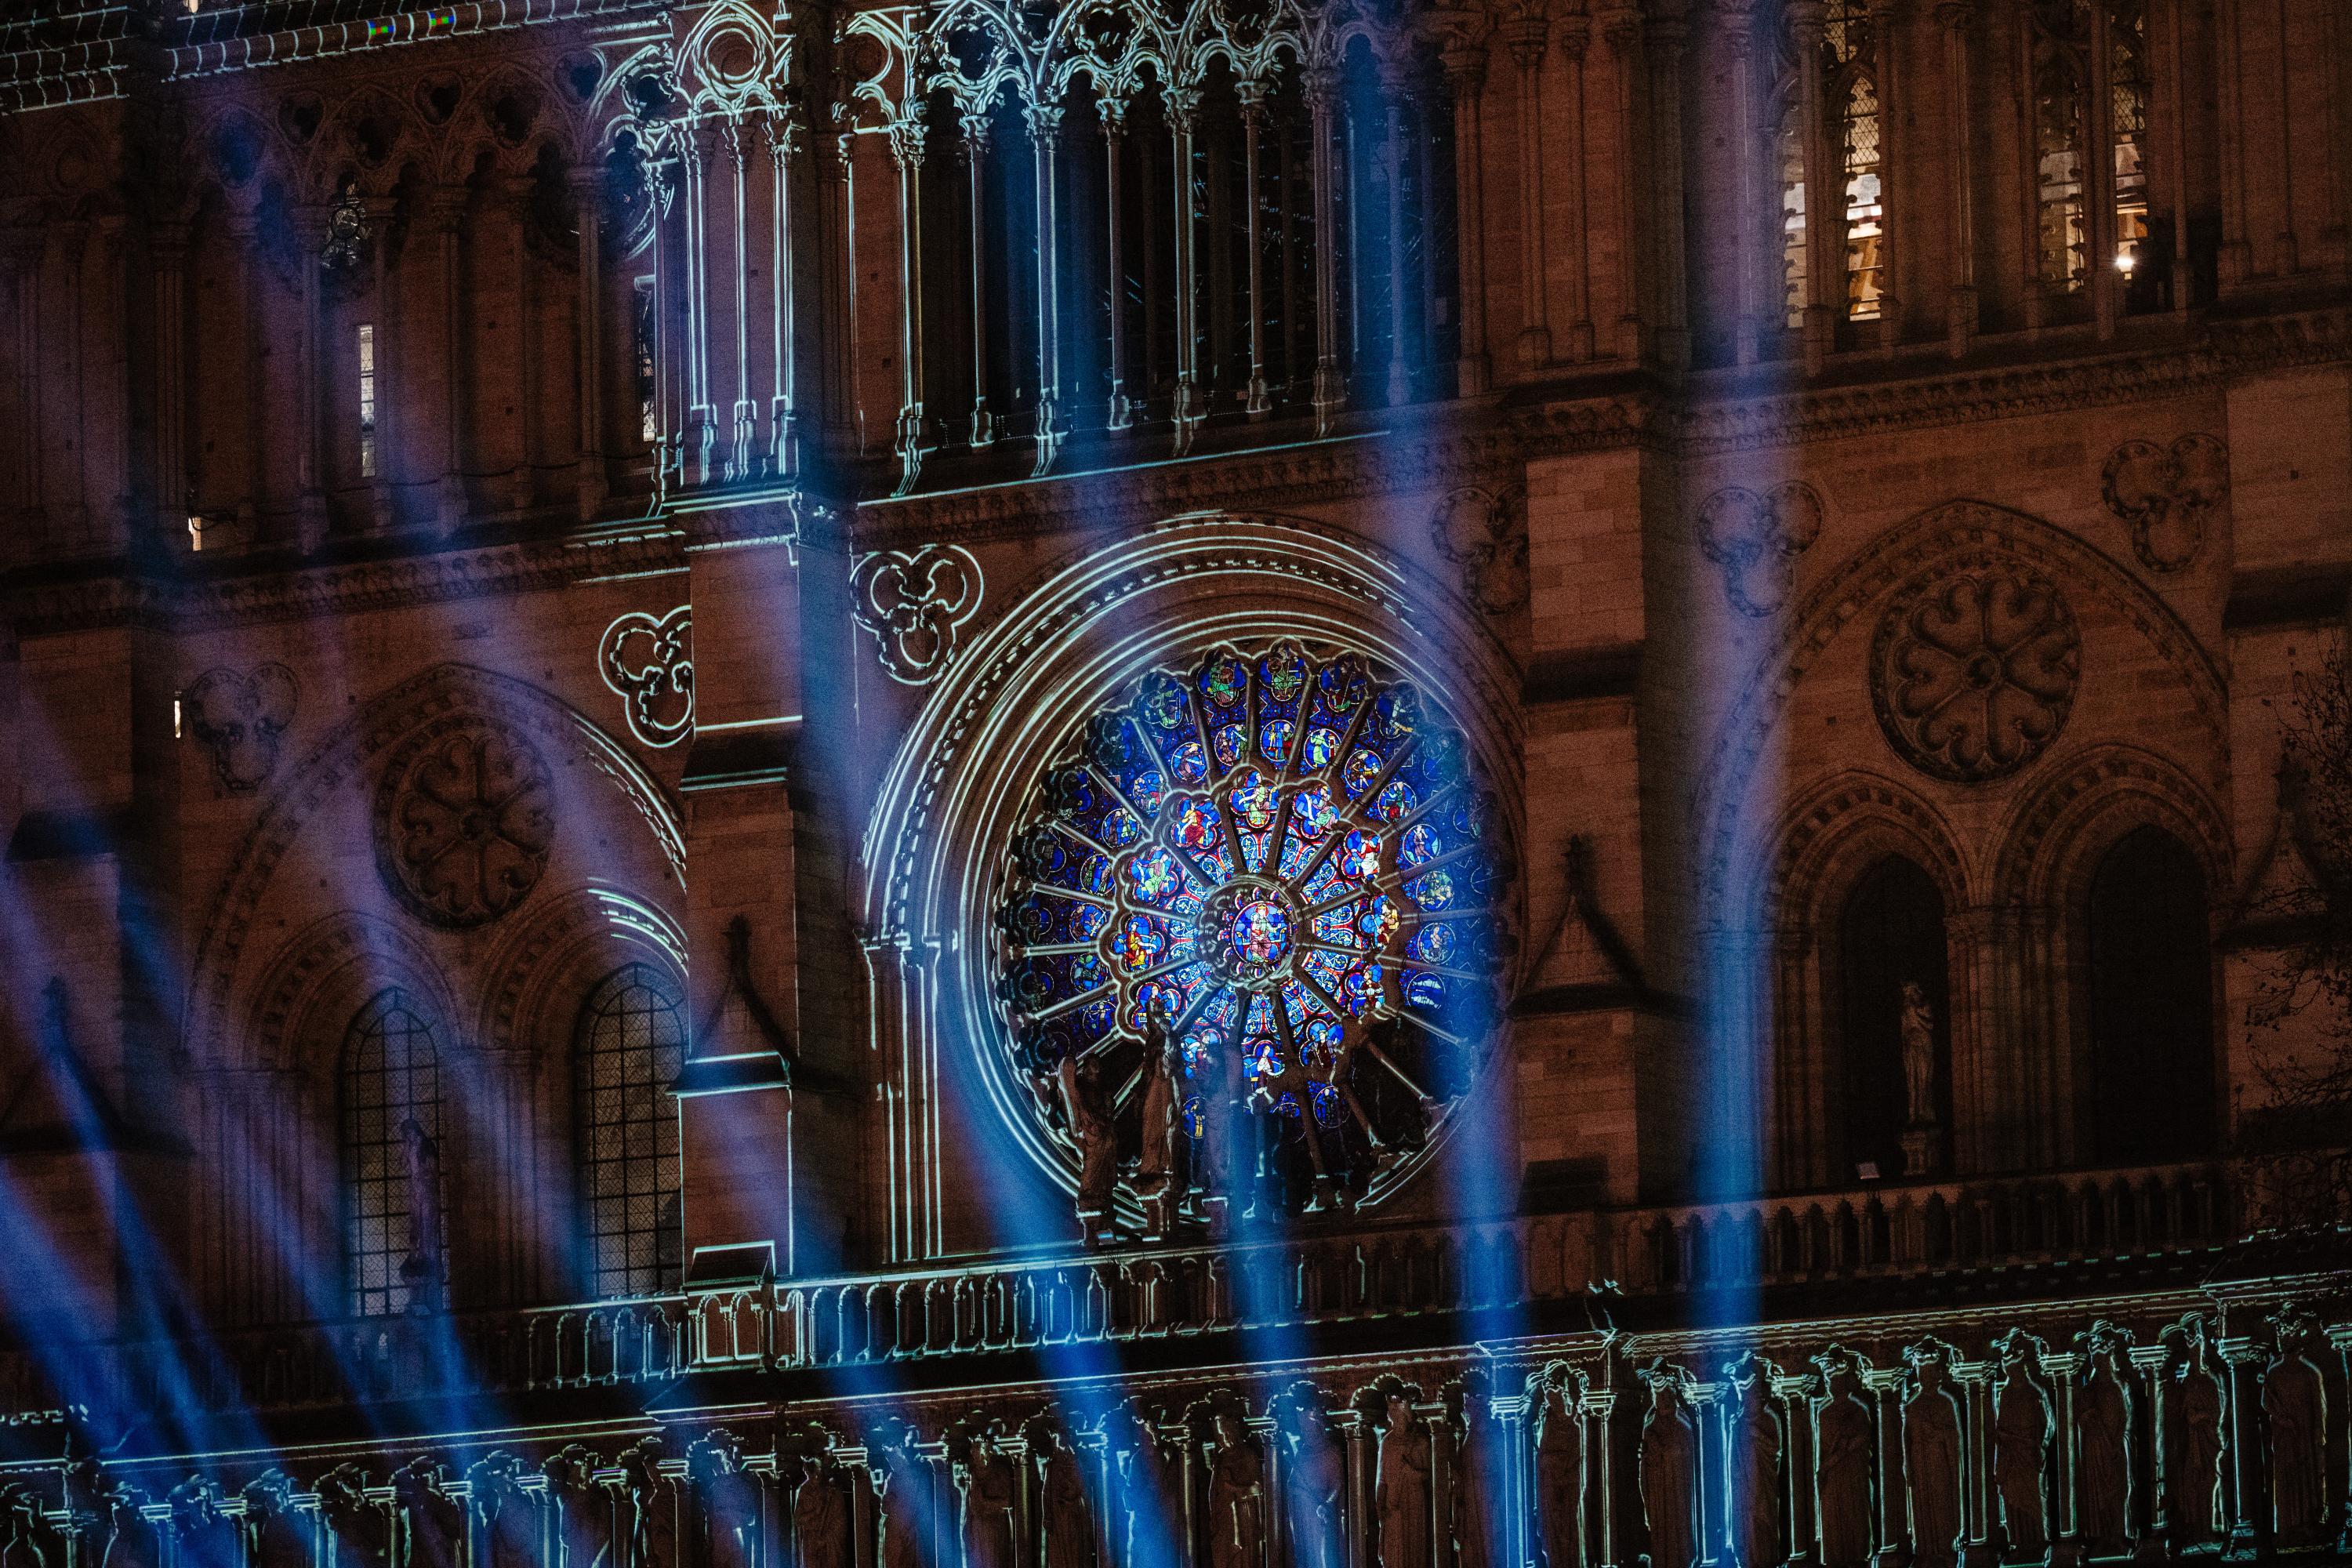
pixel 1281 861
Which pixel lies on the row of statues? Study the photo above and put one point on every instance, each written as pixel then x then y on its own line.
pixel 1833 1461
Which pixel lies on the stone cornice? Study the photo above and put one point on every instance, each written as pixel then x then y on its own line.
pixel 126 598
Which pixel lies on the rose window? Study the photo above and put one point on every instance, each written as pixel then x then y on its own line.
pixel 1284 861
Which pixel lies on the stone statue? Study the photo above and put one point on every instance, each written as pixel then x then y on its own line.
pixel 1559 1480
pixel 2293 1403
pixel 131 1541
pixel 421 1270
pixel 29 1541
pixel 1756 1479
pixel 2021 1453
pixel 207 1535
pixel 1152 1514
pixel 1844 1469
pixel 1918 1054
pixel 2192 1466
pixel 360 1527
pixel 1931 1466
pixel 1479 1533
pixel 1087 1104
pixel 1221 1093
pixel 2103 1461
pixel 988 1488
pixel 731 1501
pixel 509 1519
pixel 1066 1511
pixel 1668 1479
pixel 1236 1497
pixel 1314 1476
pixel 584 1510
pixel 903 1508
pixel 820 1518
pixel 1156 1174
pixel 1400 1500
pixel 652 1516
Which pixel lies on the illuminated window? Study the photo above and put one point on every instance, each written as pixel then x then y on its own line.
pixel 2061 135
pixel 1791 147
pixel 2128 94
pixel 641 358
pixel 392 1158
pixel 1865 228
pixel 367 399
pixel 1290 855
pixel 632 1046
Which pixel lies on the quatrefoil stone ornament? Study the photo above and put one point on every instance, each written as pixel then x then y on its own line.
pixel 2167 495
pixel 464 819
pixel 1973 673
pixel 915 602
pixel 647 660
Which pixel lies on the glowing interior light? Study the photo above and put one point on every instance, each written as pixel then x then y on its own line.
pixel 2125 260
pixel 195 531
pixel 175 716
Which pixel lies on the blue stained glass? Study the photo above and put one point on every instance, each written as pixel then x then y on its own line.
pixel 1197 828
pixel 1421 842
pixel 1364 765
pixel 1282 673
pixel 1426 991
pixel 1359 856
pixel 1323 744
pixel 1264 1055
pixel 1142 942
pixel 1225 681
pixel 1189 763
pixel 1433 891
pixel 1229 740
pixel 1337 927
pixel 1328 1103
pixel 1161 706
pixel 1274 741
pixel 1397 800
pixel 1155 876
pixel 1194 1126
pixel 1431 944
pixel 1255 801
pixel 1377 919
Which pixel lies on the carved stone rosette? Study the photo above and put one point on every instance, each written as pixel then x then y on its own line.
pixel 1973 674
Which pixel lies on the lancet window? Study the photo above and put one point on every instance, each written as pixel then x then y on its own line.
pixel 1849 62
pixel 394 1236
pixel 631 1044
pixel 2087 67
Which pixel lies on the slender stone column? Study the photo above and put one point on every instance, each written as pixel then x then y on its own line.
pixel 1978 1500
pixel 309 359
pixel 1525 39
pixel 783 247
pixel 167 248
pixel 522 479
pixel 1466 82
pixel 2065 1488
pixel 1894 1516
pixel 1045 140
pixel 26 248
pixel 591 484
pixel 907 149
pixel 974 153
pixel 1622 28
pixel 1184 121
pixel 1322 91
pixel 1257 400
pixel 1824 274
pixel 1886 18
pixel 382 514
pixel 1394 87
pixel 2248 1532
pixel 1736 22
pixel 1113 114
pixel 1956 19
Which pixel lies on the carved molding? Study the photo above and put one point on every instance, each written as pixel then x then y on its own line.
pixel 465 816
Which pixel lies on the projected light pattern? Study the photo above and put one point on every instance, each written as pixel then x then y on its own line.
pixel 1287 855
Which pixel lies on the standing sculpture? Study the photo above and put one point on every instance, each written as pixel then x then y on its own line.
pixel 584 1510
pixel 987 1490
pixel 1085 1103
pixel 2192 1465
pixel 1559 1478
pixel 2020 1457
pixel 2102 1458
pixel 1157 1181
pixel 1152 1512
pixel 1931 1464
pixel 1402 1498
pixel 1067 1513
pixel 1669 1477
pixel 820 1516
pixel 1478 1485
pixel 421 1270
pixel 903 1505
pixel 1845 1465
pixel 1236 1496
pixel 1314 1474
pixel 2293 1410
pixel 1922 1140
pixel 1217 1156
pixel 1755 1477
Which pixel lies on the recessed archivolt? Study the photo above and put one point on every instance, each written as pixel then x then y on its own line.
pixel 1946 534
pixel 316 986
pixel 534 980
pixel 346 758
pixel 2086 802
pixel 1837 829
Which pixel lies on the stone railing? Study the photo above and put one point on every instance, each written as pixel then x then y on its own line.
pixel 1021 1304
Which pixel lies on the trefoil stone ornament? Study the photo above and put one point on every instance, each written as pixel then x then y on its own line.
pixel 2167 496
pixel 916 602
pixel 240 718
pixel 1756 537
pixel 647 660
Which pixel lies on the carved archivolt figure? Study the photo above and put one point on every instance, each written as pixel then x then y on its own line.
pixel 2102 1462
pixel 2192 1466
pixel 1156 1178
pixel 2293 1408
pixel 1559 1480
pixel 1756 1479
pixel 1918 1054
pixel 1931 1463
pixel 1403 1499
pixel 1669 1477
pixel 2020 1451
pixel 1236 1497
pixel 1085 1101
pixel 1844 1470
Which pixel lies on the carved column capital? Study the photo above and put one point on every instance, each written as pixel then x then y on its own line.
pixel 1524 37
pixel 1956 16
pixel 1465 60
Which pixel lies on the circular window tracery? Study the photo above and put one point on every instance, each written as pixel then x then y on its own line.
pixel 1285 856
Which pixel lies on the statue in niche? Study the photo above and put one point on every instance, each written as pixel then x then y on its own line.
pixel 281 1536
pixel 1152 1513
pixel 2021 1437
pixel 509 1537
pixel 435 1520
pixel 652 1519
pixel 988 1488
pixel 1756 1477
pixel 208 1536
pixel 1401 1499
pixel 360 1527
pixel 29 1542
pixel 2103 1461
pixel 729 1500
pixel 1213 1175
pixel 2192 1465
pixel 421 1270
pixel 1236 1496
pixel 1919 1026
pixel 1559 1478
pixel 1669 1477
pixel 820 1514
pixel 2293 1407
pixel 584 1510
pixel 1843 1468
pixel 131 1541
pixel 902 1503
pixel 1157 1182
pixel 1086 1103
pixel 1313 1479
pixel 1065 1510
pixel 1931 1464
pixel 1478 1508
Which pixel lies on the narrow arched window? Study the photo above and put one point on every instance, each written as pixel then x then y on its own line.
pixel 1788 148
pixel 395 1245
pixel 2059 37
pixel 2151 1002
pixel 1893 1086
pixel 632 1046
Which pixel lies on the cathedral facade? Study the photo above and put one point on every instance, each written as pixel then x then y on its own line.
pixel 1104 782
